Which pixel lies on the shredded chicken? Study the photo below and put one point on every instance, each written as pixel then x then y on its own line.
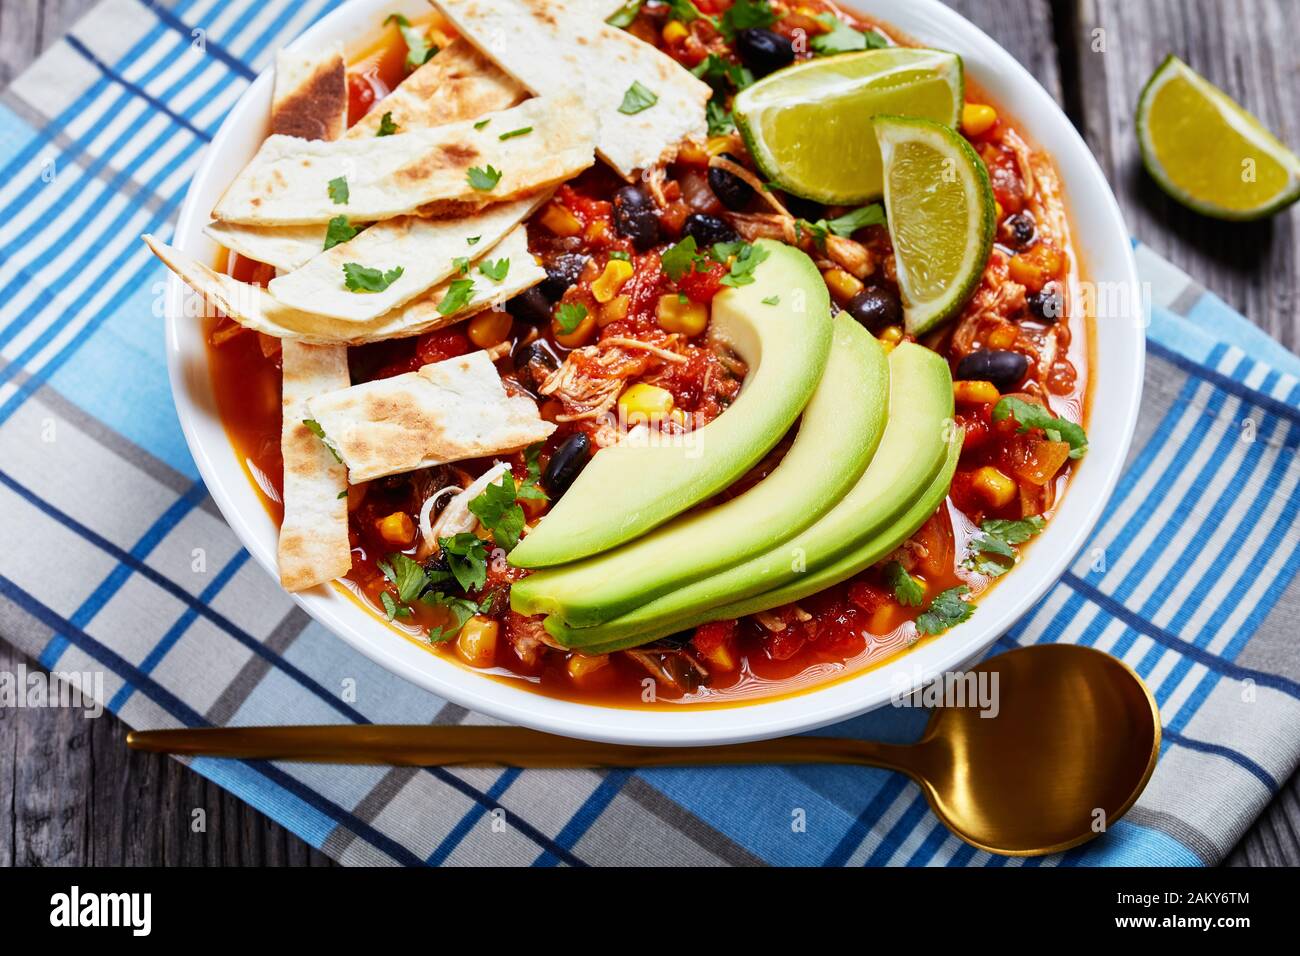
pixel 528 636
pixel 1023 160
pixel 849 255
pixel 662 353
pixel 589 381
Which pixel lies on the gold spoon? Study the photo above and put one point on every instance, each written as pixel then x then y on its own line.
pixel 1072 740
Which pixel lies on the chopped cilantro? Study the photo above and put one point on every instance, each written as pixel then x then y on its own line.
pixel 636 99
pixel 742 266
pixel 619 254
pixel 992 552
pixel 418 47
pixel 718 117
pixel 845 225
pixel 386 125
pixel 467 556
pixel 624 15
pixel 522 131
pixel 680 259
pixel 906 590
pixel 391 608
pixel 772 300
pixel 1030 415
pixel 342 494
pixel 461 610
pixel 496 271
pixel 338 231
pixel 481 123
pixel 945 611
pixel 744 14
pixel 842 38
pixel 406 574
pixel 457 297
pixel 683 11
pixel 473 240
pixel 533 463
pixel 499 512
pixel 484 179
pixel 313 426
pixel 719 72
pixel 569 316
pixel 338 190
pixel 359 278
pixel 462 264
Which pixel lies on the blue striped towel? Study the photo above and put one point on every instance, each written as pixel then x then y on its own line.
pixel 104 512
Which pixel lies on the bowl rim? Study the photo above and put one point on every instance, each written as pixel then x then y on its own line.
pixel 817 706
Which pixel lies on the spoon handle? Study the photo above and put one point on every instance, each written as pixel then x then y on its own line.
pixel 418 746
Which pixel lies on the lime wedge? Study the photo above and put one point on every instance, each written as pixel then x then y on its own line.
pixel 1207 152
pixel 941 219
pixel 808 126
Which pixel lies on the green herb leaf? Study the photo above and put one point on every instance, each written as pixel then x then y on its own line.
pixel 386 125
pixel 359 278
pixel 680 259
pixel 460 608
pixel 457 297
pixel 906 590
pixel 719 117
pixel 407 575
pixel 467 556
pixel 462 264
pixel 624 15
pixel 498 511
pixel 742 266
pixel 993 552
pixel 533 464
pixel 1030 415
pixel 496 271
pixel 338 190
pixel 313 426
pixel 849 223
pixel 744 14
pixel 772 300
pixel 636 99
pixel 945 611
pixel 842 38
pixel 522 131
pixel 720 73
pixel 570 316
pixel 481 123
pixel 342 494
pixel 391 608
pixel 473 240
pixel 619 254
pixel 484 179
pixel 418 47
pixel 683 11
pixel 339 230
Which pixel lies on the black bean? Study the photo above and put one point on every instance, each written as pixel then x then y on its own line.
pixel 562 272
pixel 763 51
pixel 1003 368
pixel 733 191
pixel 534 362
pixel 636 217
pixel 566 464
pixel 708 229
pixel 531 305
pixel 1047 305
pixel 876 307
pixel 802 208
pixel 1023 229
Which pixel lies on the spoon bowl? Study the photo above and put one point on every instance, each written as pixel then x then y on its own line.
pixel 1056 748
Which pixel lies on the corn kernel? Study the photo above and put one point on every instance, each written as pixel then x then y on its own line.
pixel 995 487
pixel 892 334
pixel 998 211
pixel 476 644
pixel 1035 267
pixel 584 333
pixel 614 310
pixel 617 271
pixel 674 31
pixel 717 145
pixel 596 230
pixel 691 153
pixel 489 328
pixel 974 392
pixel 688 318
pixel 843 285
pixel 1003 337
pixel 582 667
pixel 645 402
pixel 397 528
pixel 977 119
pixel 560 221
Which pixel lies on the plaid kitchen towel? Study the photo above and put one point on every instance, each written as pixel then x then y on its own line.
pixel 1190 577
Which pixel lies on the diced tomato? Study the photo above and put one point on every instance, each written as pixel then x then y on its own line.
pixel 716 643
pixel 867 596
pixel 364 88
pixel 783 644
pixel 442 344
pixel 702 284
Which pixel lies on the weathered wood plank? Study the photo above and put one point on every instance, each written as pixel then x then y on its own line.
pixel 1024 28
pixel 1243 46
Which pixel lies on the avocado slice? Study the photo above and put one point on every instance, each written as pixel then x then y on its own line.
pixel 838 434
pixel 629 488
pixel 911 453
pixel 856 561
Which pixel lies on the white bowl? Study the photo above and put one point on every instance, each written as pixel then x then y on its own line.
pixel 1116 370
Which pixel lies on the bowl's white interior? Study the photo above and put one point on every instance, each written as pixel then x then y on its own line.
pixel 1099 233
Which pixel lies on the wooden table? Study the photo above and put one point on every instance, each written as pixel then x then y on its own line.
pixel 78 795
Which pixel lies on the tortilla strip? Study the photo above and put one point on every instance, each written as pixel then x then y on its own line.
pixel 447 411
pixel 311 94
pixel 314 545
pixel 255 308
pixel 559 45
pixel 426 250
pixel 457 84
pixel 421 172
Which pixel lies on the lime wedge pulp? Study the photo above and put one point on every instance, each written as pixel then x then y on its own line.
pixel 1207 152
pixel 809 126
pixel 941 216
